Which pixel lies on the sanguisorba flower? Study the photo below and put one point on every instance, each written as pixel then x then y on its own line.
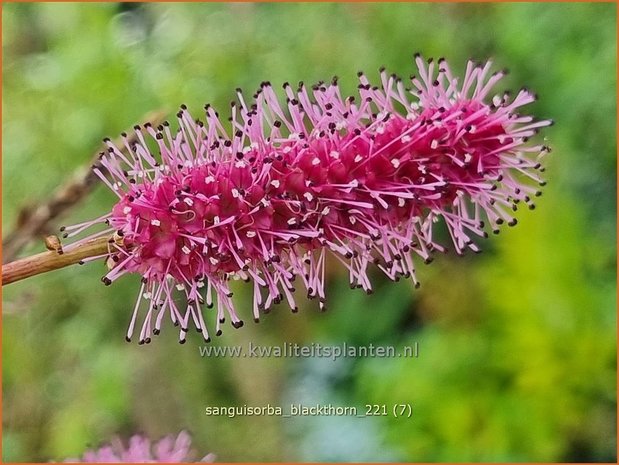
pixel 140 449
pixel 365 178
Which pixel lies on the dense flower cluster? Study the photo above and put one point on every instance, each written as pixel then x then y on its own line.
pixel 365 178
pixel 140 450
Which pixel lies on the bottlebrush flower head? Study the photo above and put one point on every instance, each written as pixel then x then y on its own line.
pixel 140 450
pixel 365 178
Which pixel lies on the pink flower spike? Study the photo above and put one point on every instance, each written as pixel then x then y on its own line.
pixel 140 450
pixel 365 178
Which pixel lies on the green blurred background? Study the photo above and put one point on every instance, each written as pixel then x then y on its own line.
pixel 517 346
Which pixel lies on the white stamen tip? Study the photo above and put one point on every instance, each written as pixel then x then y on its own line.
pixel 275 183
pixel 358 158
pixel 235 193
pixel 335 154
pixel 316 161
pixel 127 210
pixel 216 219
pixel 401 202
pixel 326 210
pixel 155 222
pixel 250 234
pixel 186 250
pixel 188 201
pixel 395 162
pixel 308 196
pixel 209 179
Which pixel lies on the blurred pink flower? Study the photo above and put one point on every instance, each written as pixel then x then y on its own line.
pixel 365 178
pixel 141 450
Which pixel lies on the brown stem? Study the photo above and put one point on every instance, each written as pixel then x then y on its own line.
pixel 36 221
pixel 53 260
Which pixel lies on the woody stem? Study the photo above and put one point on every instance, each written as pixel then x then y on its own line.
pixel 53 260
